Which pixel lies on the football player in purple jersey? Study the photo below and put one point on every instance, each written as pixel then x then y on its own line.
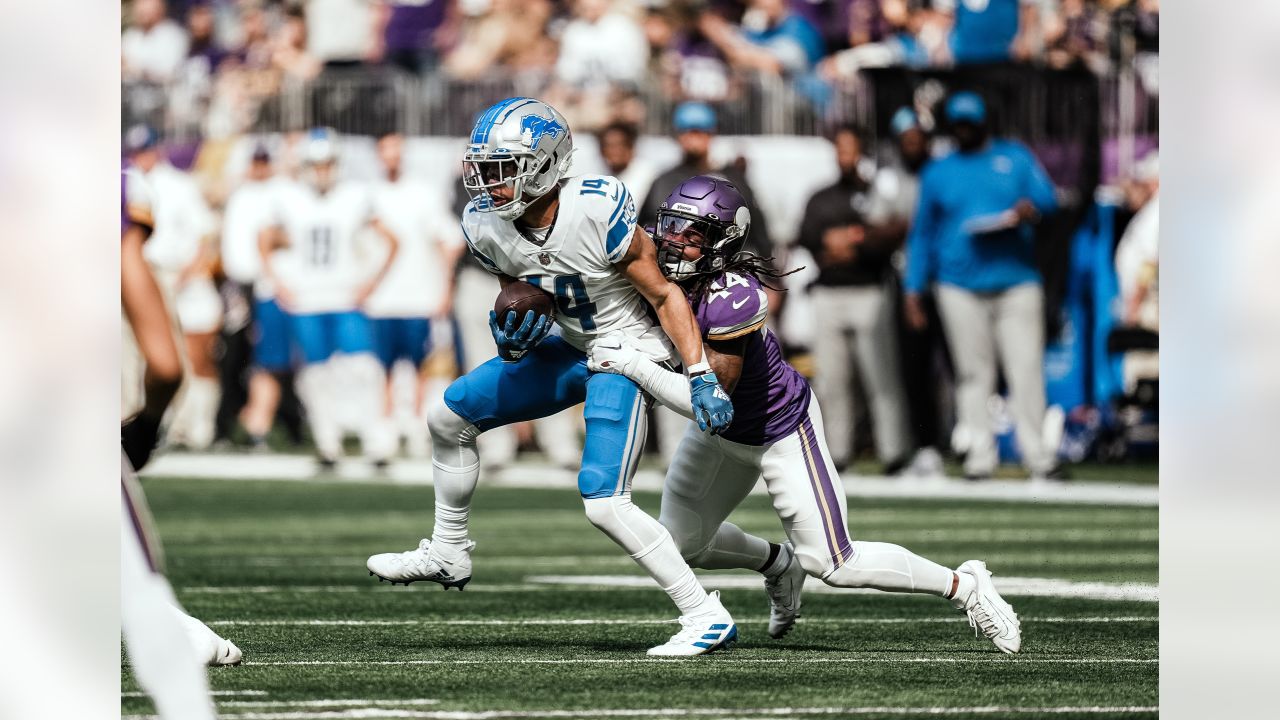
pixel 776 433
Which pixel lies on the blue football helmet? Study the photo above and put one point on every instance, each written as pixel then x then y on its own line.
pixel 519 142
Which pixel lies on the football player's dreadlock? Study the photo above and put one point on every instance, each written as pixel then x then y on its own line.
pixel 744 262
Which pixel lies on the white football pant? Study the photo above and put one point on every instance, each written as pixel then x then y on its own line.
pixel 710 476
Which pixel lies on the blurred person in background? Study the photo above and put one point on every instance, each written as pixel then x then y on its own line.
pixel 417 293
pixel 991 31
pixel 166 646
pixel 291 53
pixel 895 192
pixel 509 33
pixel 249 211
pixel 853 333
pixel 204 52
pixel 342 33
pixel 618 150
pixel 153 47
pixel 771 39
pixel 695 126
pixel 183 259
pixel 411 32
pixel 972 240
pixel 313 260
pixel 886 33
pixel 1138 276
pixel 603 59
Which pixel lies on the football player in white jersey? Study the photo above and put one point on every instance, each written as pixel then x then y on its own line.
pixel 577 239
pixel 311 258
pixel 419 287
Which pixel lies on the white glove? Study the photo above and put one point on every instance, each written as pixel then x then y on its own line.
pixel 614 353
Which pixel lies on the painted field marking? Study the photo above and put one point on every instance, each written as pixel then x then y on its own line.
pixel 357 714
pixel 1011 586
pixel 418 471
pixel 215 693
pixel 727 661
pixel 539 622
pixel 334 703
pixel 1008 585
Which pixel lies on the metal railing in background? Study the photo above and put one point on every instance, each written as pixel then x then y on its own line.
pixel 1066 116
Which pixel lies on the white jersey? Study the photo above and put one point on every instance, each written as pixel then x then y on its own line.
pixel 592 231
pixel 250 209
pixel 427 229
pixel 322 267
pixel 182 219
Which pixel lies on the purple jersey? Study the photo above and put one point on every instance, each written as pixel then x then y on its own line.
pixel 771 398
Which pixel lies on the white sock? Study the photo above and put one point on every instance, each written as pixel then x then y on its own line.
pixel 315 389
pixel 456 465
pixel 650 545
pixel 962 586
pixel 885 566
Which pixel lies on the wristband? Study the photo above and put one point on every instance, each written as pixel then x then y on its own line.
pixel 701 368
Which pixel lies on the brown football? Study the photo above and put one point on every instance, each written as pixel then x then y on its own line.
pixel 520 297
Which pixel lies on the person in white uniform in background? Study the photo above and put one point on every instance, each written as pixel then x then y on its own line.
pixel 412 305
pixel 249 210
pixel 183 260
pixel 312 257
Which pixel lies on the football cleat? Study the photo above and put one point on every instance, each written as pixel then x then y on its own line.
pixel 423 563
pixel 988 613
pixel 709 630
pixel 784 596
pixel 212 648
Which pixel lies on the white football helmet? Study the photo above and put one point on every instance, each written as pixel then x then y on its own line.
pixel 519 142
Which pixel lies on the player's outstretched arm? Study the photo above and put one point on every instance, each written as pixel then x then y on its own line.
pixel 712 408
pixel 616 354
pixel 145 309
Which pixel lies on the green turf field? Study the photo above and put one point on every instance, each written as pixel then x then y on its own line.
pixel 279 568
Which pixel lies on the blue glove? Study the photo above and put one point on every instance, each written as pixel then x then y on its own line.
pixel 711 405
pixel 513 342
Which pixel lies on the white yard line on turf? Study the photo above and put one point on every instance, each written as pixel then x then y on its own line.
pixel 215 693
pixel 335 703
pixel 648 621
pixel 534 475
pixel 685 712
pixel 986 658
pixel 1007 585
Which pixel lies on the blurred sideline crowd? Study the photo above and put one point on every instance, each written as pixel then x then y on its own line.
pixel 920 312
pixel 221 63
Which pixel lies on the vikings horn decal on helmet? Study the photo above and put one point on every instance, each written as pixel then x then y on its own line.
pixel 704 211
pixel 522 144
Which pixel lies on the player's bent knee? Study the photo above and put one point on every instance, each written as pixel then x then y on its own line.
pixel 695 551
pixel 597 482
pixel 816 564
pixel 448 427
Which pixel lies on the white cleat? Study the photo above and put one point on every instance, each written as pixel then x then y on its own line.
pixel 210 647
pixel 709 630
pixel 424 563
pixel 988 613
pixel 784 596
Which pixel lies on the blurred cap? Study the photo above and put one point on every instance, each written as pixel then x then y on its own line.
pixel 261 153
pixel 694 116
pixel 321 146
pixel 139 138
pixel 903 120
pixel 966 107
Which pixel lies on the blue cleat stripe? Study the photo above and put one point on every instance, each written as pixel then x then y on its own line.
pixel 702 645
pixel 719 626
pixel 711 636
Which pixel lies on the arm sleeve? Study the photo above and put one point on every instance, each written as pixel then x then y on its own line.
pixel 667 387
pixel 921 239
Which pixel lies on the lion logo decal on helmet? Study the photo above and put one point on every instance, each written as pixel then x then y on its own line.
pixel 533 127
